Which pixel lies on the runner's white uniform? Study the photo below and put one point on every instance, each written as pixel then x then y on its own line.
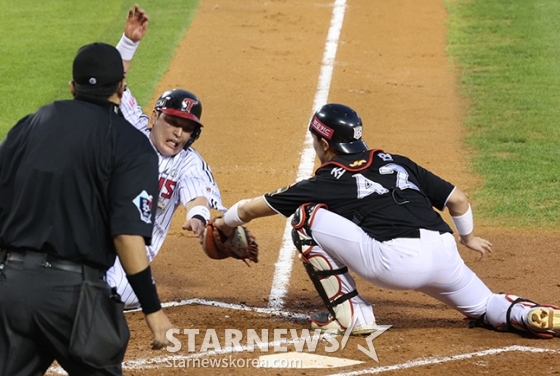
pixel 182 178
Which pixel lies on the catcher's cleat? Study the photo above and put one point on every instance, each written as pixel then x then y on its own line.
pixel 326 322
pixel 541 320
pixel 544 318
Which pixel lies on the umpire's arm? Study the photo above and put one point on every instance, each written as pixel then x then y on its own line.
pixel 131 250
pixel 132 253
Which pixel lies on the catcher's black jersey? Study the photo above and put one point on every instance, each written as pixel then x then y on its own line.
pixel 387 195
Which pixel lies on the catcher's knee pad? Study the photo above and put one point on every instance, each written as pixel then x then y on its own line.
pixel 523 315
pixel 329 286
pixel 301 223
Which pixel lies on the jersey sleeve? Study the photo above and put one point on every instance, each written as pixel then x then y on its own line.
pixel 197 186
pixel 132 112
pixel 12 149
pixel 134 185
pixel 287 199
pixel 434 187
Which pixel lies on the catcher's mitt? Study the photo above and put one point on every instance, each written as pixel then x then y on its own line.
pixel 240 244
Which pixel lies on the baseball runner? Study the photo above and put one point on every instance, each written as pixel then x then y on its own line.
pixel 371 212
pixel 184 177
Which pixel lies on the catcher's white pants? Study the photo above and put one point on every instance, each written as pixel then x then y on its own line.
pixel 431 264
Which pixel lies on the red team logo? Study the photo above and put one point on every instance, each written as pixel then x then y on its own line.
pixel 166 187
pixel 188 104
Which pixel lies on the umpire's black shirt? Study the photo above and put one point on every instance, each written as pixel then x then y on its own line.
pixel 73 175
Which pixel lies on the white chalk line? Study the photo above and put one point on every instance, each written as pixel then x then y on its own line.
pixel 241 307
pixel 168 361
pixel 283 266
pixel 429 361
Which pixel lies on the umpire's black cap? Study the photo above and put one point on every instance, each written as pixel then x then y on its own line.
pixel 97 64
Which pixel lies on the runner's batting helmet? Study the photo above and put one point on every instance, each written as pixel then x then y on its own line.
pixel 341 126
pixel 184 104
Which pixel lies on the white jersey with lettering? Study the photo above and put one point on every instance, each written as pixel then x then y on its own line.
pixel 182 178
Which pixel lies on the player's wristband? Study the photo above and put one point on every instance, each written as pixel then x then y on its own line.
pixel 464 223
pixel 231 218
pixel 145 289
pixel 201 212
pixel 201 219
pixel 127 47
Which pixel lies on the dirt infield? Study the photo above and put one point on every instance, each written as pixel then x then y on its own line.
pixel 255 65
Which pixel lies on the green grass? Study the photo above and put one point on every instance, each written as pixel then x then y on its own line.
pixel 38 41
pixel 508 55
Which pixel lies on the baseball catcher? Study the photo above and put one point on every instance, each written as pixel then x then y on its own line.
pixel 240 244
pixel 374 213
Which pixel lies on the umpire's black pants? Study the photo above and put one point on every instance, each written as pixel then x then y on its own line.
pixel 37 309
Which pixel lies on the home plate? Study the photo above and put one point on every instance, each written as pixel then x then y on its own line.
pixel 303 360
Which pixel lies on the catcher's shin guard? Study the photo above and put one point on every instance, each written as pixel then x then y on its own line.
pixel 325 279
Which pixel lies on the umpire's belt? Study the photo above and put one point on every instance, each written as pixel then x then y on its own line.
pixel 46 261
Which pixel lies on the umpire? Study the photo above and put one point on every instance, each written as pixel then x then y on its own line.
pixel 76 188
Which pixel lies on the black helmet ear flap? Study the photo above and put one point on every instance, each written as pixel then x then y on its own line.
pixel 194 136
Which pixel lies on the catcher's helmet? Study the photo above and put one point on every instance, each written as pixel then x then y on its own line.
pixel 182 103
pixel 341 126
